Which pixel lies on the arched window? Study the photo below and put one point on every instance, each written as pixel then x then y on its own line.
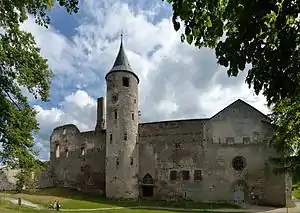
pixel 148 179
pixel 57 150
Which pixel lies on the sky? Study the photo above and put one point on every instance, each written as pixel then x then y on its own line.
pixel 177 80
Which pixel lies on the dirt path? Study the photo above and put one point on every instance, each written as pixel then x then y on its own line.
pixel 23 202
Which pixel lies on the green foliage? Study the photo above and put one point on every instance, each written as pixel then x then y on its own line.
pixel 264 34
pixel 22 68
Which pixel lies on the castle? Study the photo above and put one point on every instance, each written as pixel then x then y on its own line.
pixel 225 157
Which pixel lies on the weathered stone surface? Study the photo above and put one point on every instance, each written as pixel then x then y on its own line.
pixel 8 179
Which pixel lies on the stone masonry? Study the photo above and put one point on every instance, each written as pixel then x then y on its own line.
pixel 222 158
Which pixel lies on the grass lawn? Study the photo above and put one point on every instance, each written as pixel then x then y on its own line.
pixel 6 207
pixel 71 199
pixel 296 190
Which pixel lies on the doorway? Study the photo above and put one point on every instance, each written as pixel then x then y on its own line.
pixel 239 194
pixel 148 186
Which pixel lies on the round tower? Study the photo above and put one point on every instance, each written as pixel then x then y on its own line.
pixel 122 163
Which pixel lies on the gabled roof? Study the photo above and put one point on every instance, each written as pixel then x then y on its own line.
pixel 243 102
pixel 122 63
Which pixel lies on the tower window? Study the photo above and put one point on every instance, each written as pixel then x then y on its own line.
pixel 125 136
pixel 116 114
pixel 134 101
pixel 117 162
pixel 131 161
pixel 110 138
pixel 125 81
pixel 132 116
pixel 82 151
pixel 67 152
pixel 81 169
pixel 114 98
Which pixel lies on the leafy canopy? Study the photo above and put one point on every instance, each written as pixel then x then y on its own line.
pixel 22 68
pixel 264 34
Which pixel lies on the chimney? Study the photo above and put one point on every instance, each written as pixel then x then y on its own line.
pixel 100 125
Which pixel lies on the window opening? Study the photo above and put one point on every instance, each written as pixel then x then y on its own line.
pixel 131 161
pixel 125 81
pixel 114 98
pixel 82 151
pixel 246 140
pixel 117 162
pixel 173 175
pixel 239 163
pixel 197 175
pixel 230 140
pixel 110 137
pixel 67 152
pixel 185 175
pixel 125 136
pixel 132 116
pixel 57 150
pixel 116 114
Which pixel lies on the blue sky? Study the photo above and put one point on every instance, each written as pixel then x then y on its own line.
pixel 177 80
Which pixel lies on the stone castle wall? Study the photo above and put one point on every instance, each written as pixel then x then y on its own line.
pixel 209 146
pixel 78 159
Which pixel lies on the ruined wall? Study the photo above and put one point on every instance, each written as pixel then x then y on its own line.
pixel 77 159
pixel 7 178
pixel 200 153
pixel 44 179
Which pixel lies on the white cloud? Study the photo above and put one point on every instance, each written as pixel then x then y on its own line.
pixel 177 80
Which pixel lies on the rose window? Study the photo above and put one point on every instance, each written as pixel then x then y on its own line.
pixel 239 163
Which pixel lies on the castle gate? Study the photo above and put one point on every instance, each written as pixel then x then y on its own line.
pixel 148 186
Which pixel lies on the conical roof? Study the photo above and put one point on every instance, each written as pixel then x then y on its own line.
pixel 121 63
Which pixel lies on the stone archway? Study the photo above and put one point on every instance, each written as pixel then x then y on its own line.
pixel 148 186
pixel 239 192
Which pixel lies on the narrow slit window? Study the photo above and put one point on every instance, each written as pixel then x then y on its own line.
pixel 67 152
pixel 81 169
pixel 117 162
pixel 131 161
pixel 132 116
pixel 116 114
pixel 125 136
pixel 125 81
pixel 57 151
pixel 82 151
pixel 110 137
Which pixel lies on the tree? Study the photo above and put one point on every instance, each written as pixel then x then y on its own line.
pixel 264 34
pixel 22 68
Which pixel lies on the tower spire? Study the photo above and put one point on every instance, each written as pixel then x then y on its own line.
pixel 121 62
